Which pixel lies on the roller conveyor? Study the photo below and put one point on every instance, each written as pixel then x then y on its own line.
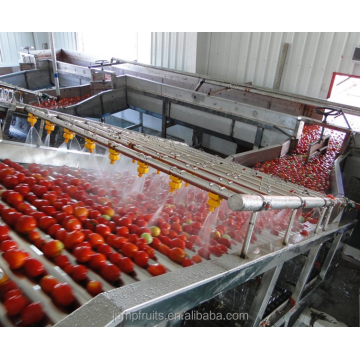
pixel 241 188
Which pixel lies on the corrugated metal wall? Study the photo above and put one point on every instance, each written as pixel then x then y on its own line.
pixel 174 50
pixel 243 57
pixel 12 42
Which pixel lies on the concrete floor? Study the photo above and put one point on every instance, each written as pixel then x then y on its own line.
pixel 339 296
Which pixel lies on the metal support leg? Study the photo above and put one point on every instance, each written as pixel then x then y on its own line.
pixel 330 256
pixel 165 115
pixel 305 274
pixel 258 137
pixel 318 226
pixel 288 230
pixel 141 122
pixel 7 123
pixel 261 300
pixel 245 247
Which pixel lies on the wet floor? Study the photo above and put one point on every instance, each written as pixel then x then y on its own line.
pixel 339 297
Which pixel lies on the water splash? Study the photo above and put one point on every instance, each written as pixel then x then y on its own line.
pixel 33 137
pixel 63 147
pixel 74 144
pixel 209 225
pixel 47 140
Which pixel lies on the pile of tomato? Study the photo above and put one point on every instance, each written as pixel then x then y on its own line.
pixel 55 104
pixel 314 174
pixel 88 224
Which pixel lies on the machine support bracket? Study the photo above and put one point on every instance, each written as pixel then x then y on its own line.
pixel 330 256
pixel 305 272
pixel 261 300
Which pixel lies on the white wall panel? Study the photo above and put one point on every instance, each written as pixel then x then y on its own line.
pixel 254 57
pixel 12 42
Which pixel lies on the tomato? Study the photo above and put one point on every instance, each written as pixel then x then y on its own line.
pixel 97 261
pixel 45 222
pixel 165 228
pixel 79 272
pixel 15 258
pixel 62 294
pixel 177 254
pixel 25 224
pixel 122 231
pixel 150 251
pixel 156 269
pixel 126 264
pixel 164 249
pixel 204 253
pixel 104 249
pixel 225 241
pixel 62 261
pixel 141 258
pixel 53 248
pixel 72 224
pixel 33 267
pixel 110 272
pixel 187 262
pixel 95 239
pixel 11 293
pixel 103 230
pixel 15 305
pixel 155 243
pixel 73 238
pixel 94 287
pixel 129 249
pixel 82 253
pixel 177 243
pixel 196 259
pixel 10 181
pixel 32 314
pixel 124 221
pixel 81 213
pixel 47 283
pixel 60 234
pixel 4 233
pixel 114 258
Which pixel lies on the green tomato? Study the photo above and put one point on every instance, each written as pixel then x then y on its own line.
pixel 148 238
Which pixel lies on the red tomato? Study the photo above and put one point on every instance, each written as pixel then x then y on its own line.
pixel 187 262
pixel 129 250
pixel 72 224
pixel 32 314
pixel 103 230
pixel 62 294
pixel 79 272
pixel 97 261
pixel 110 272
pixel 15 305
pixel 94 287
pixel 15 258
pixel 33 267
pixel 62 261
pixel 8 245
pixel 47 283
pixel 156 269
pixel 73 238
pixel 45 222
pixel 177 255
pixel 125 264
pixel 141 258
pixel 95 240
pixel 53 248
pixel 82 253
pixel 164 249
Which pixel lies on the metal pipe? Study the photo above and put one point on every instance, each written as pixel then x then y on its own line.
pixel 244 202
pixel 252 182
pixel 53 55
pixel 157 164
pixel 207 182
